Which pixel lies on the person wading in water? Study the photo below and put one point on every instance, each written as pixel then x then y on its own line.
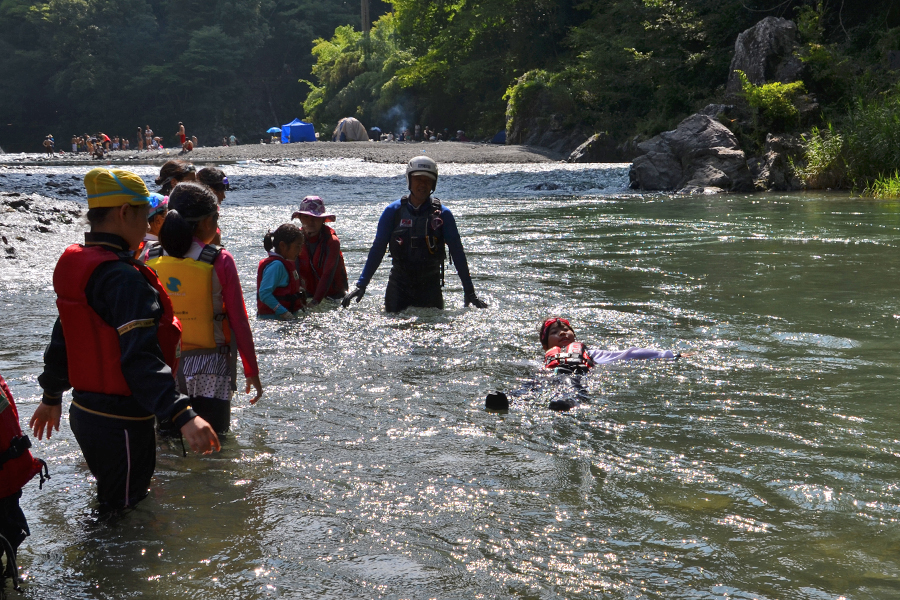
pixel 416 228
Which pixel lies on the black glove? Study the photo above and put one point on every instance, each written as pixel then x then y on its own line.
pixel 358 293
pixel 471 298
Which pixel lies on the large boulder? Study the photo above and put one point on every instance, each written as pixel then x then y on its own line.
pixel 700 156
pixel 765 53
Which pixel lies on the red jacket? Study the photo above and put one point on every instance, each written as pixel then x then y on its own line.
pixel 323 270
pixel 290 296
pixel 15 472
pixel 92 347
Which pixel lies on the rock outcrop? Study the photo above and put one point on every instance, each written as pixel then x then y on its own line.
pixel 773 170
pixel 700 156
pixel 765 53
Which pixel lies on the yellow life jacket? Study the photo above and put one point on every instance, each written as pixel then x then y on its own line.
pixel 189 285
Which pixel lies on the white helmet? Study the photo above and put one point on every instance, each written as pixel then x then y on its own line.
pixel 422 165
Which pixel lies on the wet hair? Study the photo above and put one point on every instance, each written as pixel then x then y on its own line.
pixel 171 173
pixel 545 329
pixel 287 233
pixel 96 216
pixel 212 178
pixel 189 203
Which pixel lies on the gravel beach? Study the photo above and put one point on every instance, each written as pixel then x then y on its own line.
pixel 378 152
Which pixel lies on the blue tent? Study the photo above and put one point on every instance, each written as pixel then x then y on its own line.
pixel 297 131
pixel 500 138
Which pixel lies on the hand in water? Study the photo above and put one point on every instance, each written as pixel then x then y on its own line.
pixel 254 382
pixel 200 436
pixel 287 316
pixel 358 293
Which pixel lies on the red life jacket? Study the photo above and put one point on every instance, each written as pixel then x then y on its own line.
pixel 17 465
pixel 290 296
pixel 574 358
pixel 311 267
pixel 92 346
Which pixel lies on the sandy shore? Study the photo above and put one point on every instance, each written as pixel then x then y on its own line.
pixel 379 152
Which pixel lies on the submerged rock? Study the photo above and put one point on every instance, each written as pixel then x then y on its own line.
pixel 700 154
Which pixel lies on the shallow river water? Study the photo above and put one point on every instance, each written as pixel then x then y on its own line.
pixel 764 465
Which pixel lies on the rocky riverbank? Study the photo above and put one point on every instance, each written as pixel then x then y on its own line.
pixel 378 152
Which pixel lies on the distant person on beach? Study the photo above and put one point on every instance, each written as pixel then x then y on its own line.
pixel 18 467
pixel 172 173
pixel 232 141
pixel 416 228
pixel 140 140
pixel 418 133
pixel 148 137
pixel 74 142
pixel 194 141
pixel 48 145
pixel 210 303
pixel 115 344
pixel 320 262
pixel 279 287
pixel 182 137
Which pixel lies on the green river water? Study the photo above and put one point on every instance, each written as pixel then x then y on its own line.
pixel 764 465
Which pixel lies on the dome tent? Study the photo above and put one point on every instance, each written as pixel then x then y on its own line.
pixel 297 131
pixel 349 129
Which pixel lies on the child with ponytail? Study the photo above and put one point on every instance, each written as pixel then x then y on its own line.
pixel 202 281
pixel 279 289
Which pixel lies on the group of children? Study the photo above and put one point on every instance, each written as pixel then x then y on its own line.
pixel 143 347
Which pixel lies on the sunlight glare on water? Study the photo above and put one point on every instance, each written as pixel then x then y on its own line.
pixel 763 465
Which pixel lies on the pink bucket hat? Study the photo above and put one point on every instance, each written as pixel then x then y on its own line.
pixel 314 207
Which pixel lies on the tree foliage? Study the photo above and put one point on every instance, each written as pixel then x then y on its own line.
pixel 221 66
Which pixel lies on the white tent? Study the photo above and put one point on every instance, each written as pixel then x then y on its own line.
pixel 349 129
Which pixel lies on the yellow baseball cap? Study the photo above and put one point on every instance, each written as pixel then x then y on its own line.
pixel 114 187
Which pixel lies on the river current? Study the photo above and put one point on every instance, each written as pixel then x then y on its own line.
pixel 764 465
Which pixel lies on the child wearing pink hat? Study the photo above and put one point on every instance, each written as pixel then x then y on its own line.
pixel 321 263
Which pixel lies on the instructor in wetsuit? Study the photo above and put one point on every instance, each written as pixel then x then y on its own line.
pixel 116 343
pixel 415 229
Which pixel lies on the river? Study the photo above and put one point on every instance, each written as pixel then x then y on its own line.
pixel 763 465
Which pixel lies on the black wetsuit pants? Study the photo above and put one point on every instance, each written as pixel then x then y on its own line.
pixel 13 525
pixel 214 411
pixel 413 287
pixel 121 454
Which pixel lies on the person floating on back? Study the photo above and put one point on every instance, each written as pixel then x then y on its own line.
pixel 416 228
pixel 565 356
pixel 321 263
pixel 116 344
pixel 206 293
pixel 279 288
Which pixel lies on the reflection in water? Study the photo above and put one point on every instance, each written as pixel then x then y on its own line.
pixel 763 466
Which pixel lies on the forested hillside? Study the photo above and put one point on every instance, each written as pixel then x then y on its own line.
pixel 220 66
pixel 627 67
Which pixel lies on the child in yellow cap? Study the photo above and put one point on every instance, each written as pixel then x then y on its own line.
pixel 116 344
